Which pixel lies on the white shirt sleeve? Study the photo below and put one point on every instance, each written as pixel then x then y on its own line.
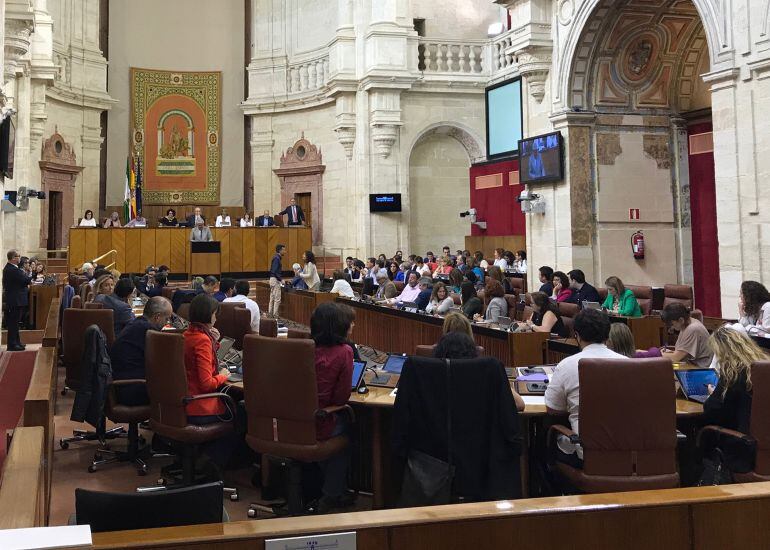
pixel 219 221
pixel 555 394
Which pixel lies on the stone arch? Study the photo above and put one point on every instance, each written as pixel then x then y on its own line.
pixel 472 144
pixel 586 22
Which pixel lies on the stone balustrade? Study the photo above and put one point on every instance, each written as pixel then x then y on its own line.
pixel 453 56
pixel 308 76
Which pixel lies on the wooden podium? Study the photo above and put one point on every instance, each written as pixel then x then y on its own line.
pixel 205 258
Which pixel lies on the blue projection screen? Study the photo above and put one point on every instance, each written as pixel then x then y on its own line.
pixel 504 118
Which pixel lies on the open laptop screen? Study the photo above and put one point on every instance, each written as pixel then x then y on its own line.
pixel 694 381
pixel 358 373
pixel 394 364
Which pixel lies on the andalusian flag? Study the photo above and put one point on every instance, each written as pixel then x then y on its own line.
pixel 129 196
pixel 138 192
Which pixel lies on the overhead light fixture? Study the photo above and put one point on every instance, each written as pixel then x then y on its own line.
pixel 495 29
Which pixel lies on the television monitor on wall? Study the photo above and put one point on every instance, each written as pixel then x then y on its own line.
pixel 504 118
pixel 541 159
pixel 385 202
pixel 7 147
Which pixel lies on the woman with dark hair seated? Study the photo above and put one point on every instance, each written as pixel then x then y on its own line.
pixel 455 345
pixel 169 220
pixel 496 306
pixel 546 317
pixel 201 342
pixel 494 272
pixel 330 326
pixel 471 303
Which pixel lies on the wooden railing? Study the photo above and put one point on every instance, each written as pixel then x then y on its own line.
pixel 677 519
pixel 23 484
pixel 51 332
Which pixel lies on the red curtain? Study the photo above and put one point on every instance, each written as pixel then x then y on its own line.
pixel 703 215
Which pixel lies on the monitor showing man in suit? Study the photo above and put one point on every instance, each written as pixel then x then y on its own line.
pixel 294 212
pixel 15 283
pixel 265 220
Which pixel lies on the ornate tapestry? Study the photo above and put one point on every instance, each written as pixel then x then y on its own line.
pixel 176 119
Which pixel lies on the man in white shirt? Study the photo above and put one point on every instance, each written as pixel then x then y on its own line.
pixel 410 292
pixel 242 297
pixel 342 286
pixel 592 328
pixel 223 220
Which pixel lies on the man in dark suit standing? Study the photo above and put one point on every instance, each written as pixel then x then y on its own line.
pixel 294 212
pixel 265 220
pixel 15 283
pixel 195 218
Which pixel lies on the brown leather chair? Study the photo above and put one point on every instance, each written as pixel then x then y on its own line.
pixel 603 292
pixel 74 324
pixel 233 321
pixel 268 327
pixel 643 295
pixel 427 351
pixel 519 285
pixel 93 305
pixel 569 324
pixel 296 332
pixel 282 407
pixel 184 311
pixel 568 310
pixel 399 285
pixel 167 387
pixel 759 430
pixel 678 293
pixel 123 414
pixel 77 302
pixel 75 280
pixel 627 427
pixel 167 292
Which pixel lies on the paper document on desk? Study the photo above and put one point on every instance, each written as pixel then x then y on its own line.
pixel 533 399
pixel 71 536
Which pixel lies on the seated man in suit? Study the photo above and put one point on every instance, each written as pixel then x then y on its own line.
pixel 127 352
pixel 201 233
pixel 265 220
pixel 294 212
pixel 193 219
pixel 119 302
pixel 582 291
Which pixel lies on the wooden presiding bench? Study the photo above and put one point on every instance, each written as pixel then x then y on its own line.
pixel 51 330
pixel 701 518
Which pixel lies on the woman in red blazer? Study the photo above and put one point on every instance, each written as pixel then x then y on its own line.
pixel 200 360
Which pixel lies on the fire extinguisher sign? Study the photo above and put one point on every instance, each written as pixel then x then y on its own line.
pixel 633 213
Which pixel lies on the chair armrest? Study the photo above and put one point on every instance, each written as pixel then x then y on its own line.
pixel 719 431
pixel 326 411
pixel 229 401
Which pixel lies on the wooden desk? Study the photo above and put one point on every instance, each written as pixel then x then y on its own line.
pixel 296 305
pixel 646 330
pixel 22 493
pixel 244 249
pixel 40 298
pixel 395 331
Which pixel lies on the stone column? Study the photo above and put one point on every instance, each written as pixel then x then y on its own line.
pixel 680 189
pixel 267 191
pixel 87 189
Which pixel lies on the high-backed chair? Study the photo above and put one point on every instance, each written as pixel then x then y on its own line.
pixel 282 407
pixel 568 310
pixel 643 295
pixel 427 351
pixel 93 305
pixel 77 302
pixel 678 293
pixel 233 321
pixel 759 428
pixel 74 324
pixel 132 415
pixel 167 387
pixel 184 311
pixel 603 292
pixel 167 292
pixel 149 510
pixel 627 427
pixel 296 332
pixel 268 327
pixel 399 285
pixel 519 285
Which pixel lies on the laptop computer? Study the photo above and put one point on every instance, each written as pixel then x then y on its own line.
pixel 359 367
pixel 390 374
pixel 694 381
pixel 225 344
pixel 504 322
pixel 591 305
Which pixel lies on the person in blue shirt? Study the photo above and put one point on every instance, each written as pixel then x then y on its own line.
pixel 426 289
pixel 226 289
pixel 275 280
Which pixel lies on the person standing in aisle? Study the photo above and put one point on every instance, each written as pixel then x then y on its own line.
pixel 275 280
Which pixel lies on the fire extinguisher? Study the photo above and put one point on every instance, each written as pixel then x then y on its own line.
pixel 637 245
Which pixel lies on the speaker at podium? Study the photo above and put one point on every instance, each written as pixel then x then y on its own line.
pixel 205 258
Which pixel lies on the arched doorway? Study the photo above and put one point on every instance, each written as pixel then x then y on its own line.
pixel 438 187
pixel 635 86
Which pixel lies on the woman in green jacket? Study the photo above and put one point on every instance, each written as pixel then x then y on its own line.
pixel 620 300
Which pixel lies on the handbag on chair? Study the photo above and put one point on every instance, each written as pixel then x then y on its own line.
pixel 428 480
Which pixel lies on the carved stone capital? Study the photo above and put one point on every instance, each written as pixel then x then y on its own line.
pixel 17 39
pixel 346 135
pixel 534 64
pixel 384 137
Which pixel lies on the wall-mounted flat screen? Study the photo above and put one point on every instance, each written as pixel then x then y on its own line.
pixel 541 159
pixel 7 147
pixel 385 202
pixel 504 118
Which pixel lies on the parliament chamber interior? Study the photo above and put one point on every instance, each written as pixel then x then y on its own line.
pixel 384 274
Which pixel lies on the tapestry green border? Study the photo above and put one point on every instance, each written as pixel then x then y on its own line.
pixel 205 88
